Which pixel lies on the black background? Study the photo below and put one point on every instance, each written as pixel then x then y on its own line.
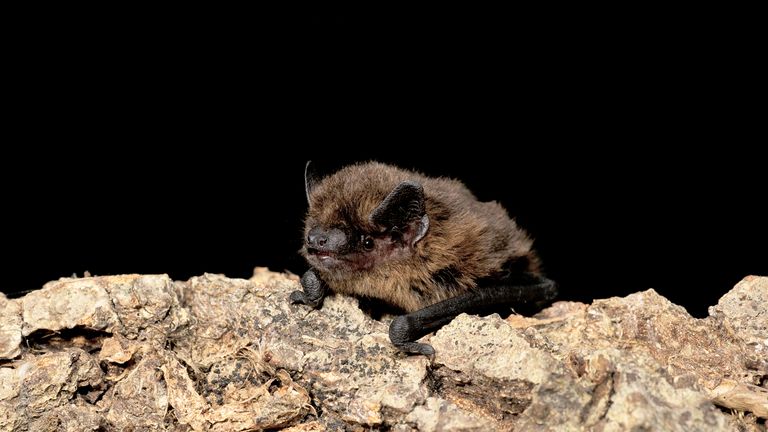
pixel 177 146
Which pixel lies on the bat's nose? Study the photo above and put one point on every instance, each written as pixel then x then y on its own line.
pixel 315 238
pixel 326 240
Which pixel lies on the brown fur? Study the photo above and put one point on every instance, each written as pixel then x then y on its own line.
pixel 467 239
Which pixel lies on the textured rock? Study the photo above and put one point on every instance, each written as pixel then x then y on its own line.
pixel 743 313
pixel 67 303
pixel 701 351
pixel 77 417
pixel 38 389
pixel 487 365
pixel 616 393
pixel 438 415
pixel 10 328
pixel 344 357
pixel 146 353
pixel 140 398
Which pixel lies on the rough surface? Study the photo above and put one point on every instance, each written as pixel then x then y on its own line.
pixel 744 314
pixel 147 353
pixel 10 328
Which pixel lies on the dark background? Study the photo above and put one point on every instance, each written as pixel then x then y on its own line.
pixel 178 145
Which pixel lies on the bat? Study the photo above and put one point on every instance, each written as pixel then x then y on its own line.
pixel 423 245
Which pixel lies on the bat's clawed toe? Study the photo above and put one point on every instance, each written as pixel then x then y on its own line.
pixel 302 298
pixel 314 290
pixel 298 297
pixel 416 348
pixel 403 331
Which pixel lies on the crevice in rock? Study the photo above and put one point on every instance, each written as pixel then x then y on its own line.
pixel 170 421
pixel 87 339
pixel 91 394
pixel 18 294
pixel 433 381
pixel 598 406
pixel 507 400
pixel 742 421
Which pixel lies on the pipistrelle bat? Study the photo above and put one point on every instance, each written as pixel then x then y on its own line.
pixel 424 245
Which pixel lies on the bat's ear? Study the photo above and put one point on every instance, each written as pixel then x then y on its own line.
pixel 405 209
pixel 310 178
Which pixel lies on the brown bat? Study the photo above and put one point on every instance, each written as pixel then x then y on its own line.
pixel 424 245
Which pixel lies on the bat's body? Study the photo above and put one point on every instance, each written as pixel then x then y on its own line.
pixel 425 245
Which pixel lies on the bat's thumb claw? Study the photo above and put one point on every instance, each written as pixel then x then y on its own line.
pixel 298 297
pixel 427 350
pixel 301 297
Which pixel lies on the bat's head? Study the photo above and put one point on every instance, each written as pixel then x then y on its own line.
pixel 362 217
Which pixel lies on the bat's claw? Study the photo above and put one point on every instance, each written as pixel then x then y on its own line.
pixel 403 330
pixel 417 348
pixel 302 298
pixel 297 297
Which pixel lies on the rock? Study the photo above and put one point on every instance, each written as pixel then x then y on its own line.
pixel 140 398
pixel 117 349
pixel 439 415
pixel 68 303
pixel 145 304
pixel 616 393
pixel 146 353
pixel 10 328
pixel 478 354
pixel 189 407
pixel 742 313
pixel 312 426
pixel 73 417
pixel 690 350
pixel 38 389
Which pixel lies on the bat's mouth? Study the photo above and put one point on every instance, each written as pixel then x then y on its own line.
pixel 337 260
pixel 323 258
pixel 322 255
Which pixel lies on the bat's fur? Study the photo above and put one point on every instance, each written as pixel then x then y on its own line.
pixel 466 241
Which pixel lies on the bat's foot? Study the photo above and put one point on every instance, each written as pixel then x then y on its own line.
pixel 403 331
pixel 302 298
pixel 416 348
pixel 314 290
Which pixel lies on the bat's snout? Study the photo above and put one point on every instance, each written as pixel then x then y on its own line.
pixel 320 240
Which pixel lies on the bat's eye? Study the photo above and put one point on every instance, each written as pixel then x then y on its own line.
pixel 368 243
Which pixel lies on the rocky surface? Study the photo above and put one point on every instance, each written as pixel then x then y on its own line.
pixel 146 353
